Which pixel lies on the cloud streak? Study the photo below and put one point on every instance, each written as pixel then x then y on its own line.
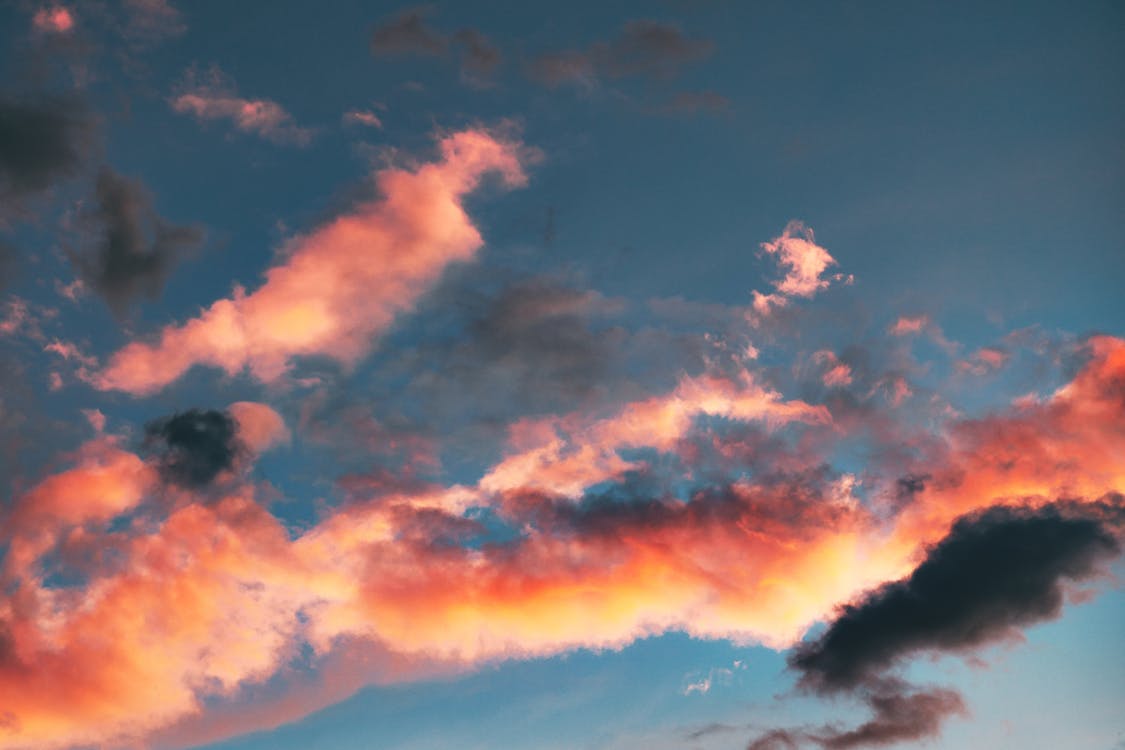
pixel 339 286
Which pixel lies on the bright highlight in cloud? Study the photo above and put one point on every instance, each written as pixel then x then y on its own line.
pixel 339 286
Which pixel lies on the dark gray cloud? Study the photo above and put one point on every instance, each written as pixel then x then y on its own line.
pixel 193 447
pixel 997 571
pixel 410 33
pixel 43 140
pixel 643 48
pixel 135 249
pixel 898 715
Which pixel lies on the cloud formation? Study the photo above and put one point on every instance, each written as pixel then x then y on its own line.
pixel 642 48
pixel 339 286
pixel 409 33
pixel 214 97
pixel 756 559
pixel 43 140
pixel 135 249
pixel 804 263
pixel 193 447
pixel 998 570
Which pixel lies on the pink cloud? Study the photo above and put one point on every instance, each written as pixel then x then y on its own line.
pixel 259 426
pixel 55 20
pixel 803 263
pixel 566 455
pixel 215 98
pixel 363 117
pixel 340 285
pixel 215 597
pixel 835 373
pixel 907 325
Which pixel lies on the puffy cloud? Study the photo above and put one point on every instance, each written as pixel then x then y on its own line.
pixel 43 140
pixel 804 263
pixel 567 455
pixel 173 613
pixel 998 570
pixel 135 249
pixel 214 97
pixel 259 426
pixel 339 286
pixel 55 19
pixel 193 447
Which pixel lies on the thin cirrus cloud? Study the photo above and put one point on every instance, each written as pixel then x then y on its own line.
pixel 340 285
pixel 213 96
pixel 642 48
pixel 758 559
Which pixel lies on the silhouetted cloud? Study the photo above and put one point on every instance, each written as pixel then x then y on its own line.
pixel 135 248
pixel 997 571
pixel 42 141
pixel 409 33
pixel 643 48
pixel 193 447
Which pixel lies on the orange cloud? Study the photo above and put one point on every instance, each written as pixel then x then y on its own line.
pixel 566 455
pixel 339 286
pixel 218 596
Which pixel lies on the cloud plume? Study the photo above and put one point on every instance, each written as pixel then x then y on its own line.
pixel 339 286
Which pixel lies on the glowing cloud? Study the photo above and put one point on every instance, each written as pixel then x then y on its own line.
pixel 803 262
pixel 340 285
pixel 54 20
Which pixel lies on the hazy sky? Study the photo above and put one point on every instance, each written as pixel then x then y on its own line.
pixel 540 375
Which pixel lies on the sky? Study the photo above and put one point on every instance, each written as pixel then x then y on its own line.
pixel 617 376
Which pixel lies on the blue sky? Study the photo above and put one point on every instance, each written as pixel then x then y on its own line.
pixel 541 375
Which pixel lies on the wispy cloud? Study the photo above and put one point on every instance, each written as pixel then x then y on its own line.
pixel 213 96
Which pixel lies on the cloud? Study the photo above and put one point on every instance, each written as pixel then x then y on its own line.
pixel 363 117
pixel 193 447
pixel 259 426
pixel 55 19
pixel 643 48
pixel 215 97
pixel 175 607
pixel 43 140
pixel 997 571
pixel 804 263
pixel 409 33
pixel 341 285
pixel 135 249
pixel 151 21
